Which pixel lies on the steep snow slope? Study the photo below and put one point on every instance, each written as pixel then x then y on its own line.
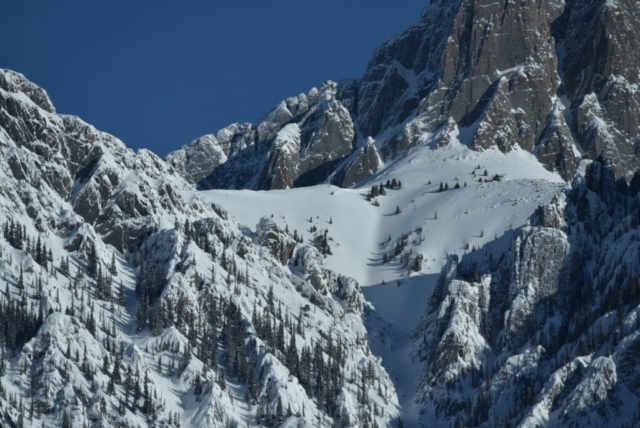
pixel 473 215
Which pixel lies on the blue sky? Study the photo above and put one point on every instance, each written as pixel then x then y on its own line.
pixel 157 74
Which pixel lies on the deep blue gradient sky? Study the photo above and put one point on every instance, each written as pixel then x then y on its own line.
pixel 157 74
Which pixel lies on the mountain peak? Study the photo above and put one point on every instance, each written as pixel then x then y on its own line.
pixel 16 83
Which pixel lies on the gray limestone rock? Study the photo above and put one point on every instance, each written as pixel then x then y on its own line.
pixel 601 76
pixel 121 194
pixel 197 159
pixel 301 142
pixel 365 164
pixel 279 243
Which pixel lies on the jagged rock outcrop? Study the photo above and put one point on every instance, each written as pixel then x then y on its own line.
pixel 346 290
pixel 541 334
pixel 553 78
pixel 122 194
pixel 478 63
pixel 501 69
pixel 601 76
pixel 279 243
pixel 302 141
pixel 363 163
pixel 197 159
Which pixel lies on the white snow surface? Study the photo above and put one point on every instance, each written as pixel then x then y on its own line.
pixel 471 215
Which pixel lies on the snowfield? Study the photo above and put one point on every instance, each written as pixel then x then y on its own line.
pixel 467 217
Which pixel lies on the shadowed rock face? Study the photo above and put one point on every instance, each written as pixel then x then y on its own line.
pixel 602 72
pixel 543 332
pixel 490 66
pixel 198 158
pixel 279 242
pixel 364 164
pixel 555 78
pixel 536 74
pixel 301 142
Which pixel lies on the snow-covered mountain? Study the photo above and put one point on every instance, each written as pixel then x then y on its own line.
pixel 131 300
pixel 556 78
pixel 450 240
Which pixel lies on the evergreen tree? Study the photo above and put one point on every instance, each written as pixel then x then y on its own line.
pixel 21 278
pixel 21 415
pixel 113 269
pixel 148 404
pixel 66 420
pixel 3 363
pixel 222 382
pixel 111 387
pixel 64 266
pixel 38 252
pixel 91 322
pixel 279 416
pixel 92 262
pixel 141 313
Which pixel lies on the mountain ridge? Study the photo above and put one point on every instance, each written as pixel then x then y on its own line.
pixel 455 66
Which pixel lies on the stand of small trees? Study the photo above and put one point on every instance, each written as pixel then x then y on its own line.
pixel 16 235
pixel 321 242
pixel 380 190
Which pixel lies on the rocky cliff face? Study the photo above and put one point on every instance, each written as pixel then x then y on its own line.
pixel 543 334
pixel 129 300
pixel 301 142
pixel 553 78
pixel 601 79
pixel 547 76
pixel 123 195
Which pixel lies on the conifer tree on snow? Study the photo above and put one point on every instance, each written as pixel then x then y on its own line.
pixel 113 269
pixel 21 278
pixel 92 261
pixel 121 298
